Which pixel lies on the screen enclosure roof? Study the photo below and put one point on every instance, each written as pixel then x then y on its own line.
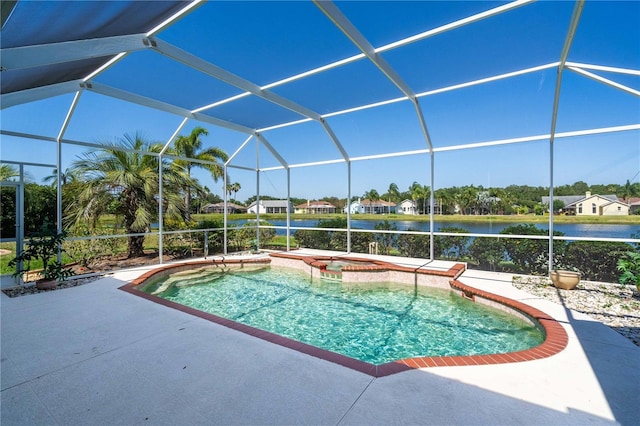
pixel 329 82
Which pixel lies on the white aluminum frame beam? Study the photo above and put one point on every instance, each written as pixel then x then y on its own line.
pixel 161 191
pixel 63 129
pixel 616 70
pixel 524 139
pixel 250 169
pixel 573 26
pixel 163 106
pixel 221 74
pixel 603 80
pixel 194 4
pixel 54 53
pixel 340 20
pixel 237 151
pixel 408 40
pixel 423 94
pixel 38 93
pixel 272 150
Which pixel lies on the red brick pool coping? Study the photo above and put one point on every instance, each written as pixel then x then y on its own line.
pixel 555 336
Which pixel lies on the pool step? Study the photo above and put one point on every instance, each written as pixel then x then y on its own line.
pixel 331 275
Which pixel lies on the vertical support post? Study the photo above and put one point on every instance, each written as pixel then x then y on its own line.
pixel 551 140
pixel 348 207
pixel 288 209
pixel 224 214
pixel 573 25
pixel 59 194
pixel 63 129
pixel 20 219
pixel 160 211
pixel 257 193
pixel 431 198
pixel 206 243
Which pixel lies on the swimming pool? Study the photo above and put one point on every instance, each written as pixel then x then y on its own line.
pixel 376 324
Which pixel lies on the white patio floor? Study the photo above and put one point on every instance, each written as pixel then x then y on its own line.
pixel 95 355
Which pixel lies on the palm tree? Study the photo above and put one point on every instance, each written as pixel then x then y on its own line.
pixel 628 190
pixel 416 191
pixel 130 179
pixel 66 177
pixel 373 196
pixel 7 172
pixel 394 193
pixel 189 146
pixel 445 200
pixel 466 198
pixel 233 187
pixel 426 193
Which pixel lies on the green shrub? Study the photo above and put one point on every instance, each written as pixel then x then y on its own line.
pixel 412 245
pixel 596 260
pixel 449 246
pixel 86 252
pixel 530 256
pixel 359 241
pixel 488 252
pixel 324 240
pixel 386 242
pixel 215 238
pixel 629 268
pixel 241 238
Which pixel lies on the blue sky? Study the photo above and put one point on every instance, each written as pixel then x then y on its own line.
pixel 264 42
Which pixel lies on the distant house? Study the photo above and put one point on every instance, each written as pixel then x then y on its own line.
pixel 634 205
pixel 219 208
pixel 591 205
pixel 315 207
pixel 370 207
pixel 270 206
pixel 407 207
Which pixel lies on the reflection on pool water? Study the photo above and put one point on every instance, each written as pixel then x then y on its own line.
pixel 375 323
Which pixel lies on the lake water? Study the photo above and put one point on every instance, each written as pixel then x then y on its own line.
pixel 569 229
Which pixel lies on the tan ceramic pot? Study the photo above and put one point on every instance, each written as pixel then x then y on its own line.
pixel 566 280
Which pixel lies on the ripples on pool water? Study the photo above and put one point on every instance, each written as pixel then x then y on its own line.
pixel 376 323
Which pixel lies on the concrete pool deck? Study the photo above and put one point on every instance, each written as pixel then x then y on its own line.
pixel 96 355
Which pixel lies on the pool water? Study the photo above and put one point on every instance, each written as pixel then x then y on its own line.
pixel 336 265
pixel 375 323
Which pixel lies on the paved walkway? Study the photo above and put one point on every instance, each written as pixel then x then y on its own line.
pixel 95 355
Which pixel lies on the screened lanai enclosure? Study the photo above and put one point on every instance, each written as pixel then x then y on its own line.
pixel 473 103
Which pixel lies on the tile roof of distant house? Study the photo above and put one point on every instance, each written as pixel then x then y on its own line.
pixel 272 203
pixel 570 200
pixel 315 204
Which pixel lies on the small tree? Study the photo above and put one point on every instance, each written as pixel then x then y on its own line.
pixel 629 267
pixel 43 246
pixel 558 205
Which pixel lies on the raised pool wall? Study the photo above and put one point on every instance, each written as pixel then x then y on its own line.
pixel 368 271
